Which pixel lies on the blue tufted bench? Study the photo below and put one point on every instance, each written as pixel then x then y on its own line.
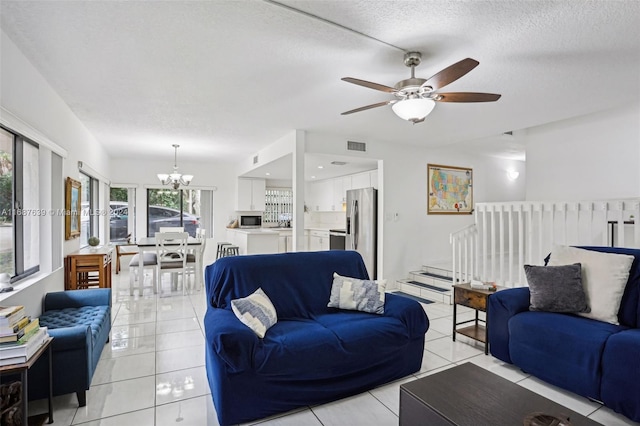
pixel 80 322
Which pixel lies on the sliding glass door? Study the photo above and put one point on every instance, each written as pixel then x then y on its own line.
pixel 173 208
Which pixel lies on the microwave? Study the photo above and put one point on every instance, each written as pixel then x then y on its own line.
pixel 250 221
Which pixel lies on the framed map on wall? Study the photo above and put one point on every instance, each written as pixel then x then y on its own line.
pixel 449 189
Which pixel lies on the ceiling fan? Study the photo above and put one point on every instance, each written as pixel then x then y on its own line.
pixel 416 97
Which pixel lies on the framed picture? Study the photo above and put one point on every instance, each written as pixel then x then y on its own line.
pixel 449 189
pixel 72 205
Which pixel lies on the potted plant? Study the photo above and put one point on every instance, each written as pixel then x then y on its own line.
pixel 94 242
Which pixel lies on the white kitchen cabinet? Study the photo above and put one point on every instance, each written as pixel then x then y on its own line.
pixel 285 242
pixel 346 185
pixel 318 240
pixel 331 194
pixel 360 180
pixel 253 241
pixel 251 195
pixel 339 195
pixel 321 195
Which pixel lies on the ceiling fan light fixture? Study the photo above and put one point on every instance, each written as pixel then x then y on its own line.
pixel 413 109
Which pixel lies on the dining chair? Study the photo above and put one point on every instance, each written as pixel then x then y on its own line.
pixel 149 261
pixel 196 257
pixel 124 249
pixel 171 229
pixel 171 250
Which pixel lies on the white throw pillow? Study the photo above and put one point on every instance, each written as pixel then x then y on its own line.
pixel 256 312
pixel 604 277
pixel 357 295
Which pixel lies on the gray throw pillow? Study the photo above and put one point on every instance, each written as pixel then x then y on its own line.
pixel 556 288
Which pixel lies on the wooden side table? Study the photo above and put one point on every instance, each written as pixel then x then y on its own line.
pixel 85 268
pixel 465 295
pixel 23 368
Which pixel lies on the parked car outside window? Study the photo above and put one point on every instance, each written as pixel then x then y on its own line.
pixel 158 217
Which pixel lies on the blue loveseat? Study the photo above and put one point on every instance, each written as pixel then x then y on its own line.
pixel 80 322
pixel 595 359
pixel 314 354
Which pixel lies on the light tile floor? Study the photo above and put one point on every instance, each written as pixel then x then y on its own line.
pixel 151 373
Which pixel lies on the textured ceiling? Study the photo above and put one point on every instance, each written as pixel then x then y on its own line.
pixel 225 78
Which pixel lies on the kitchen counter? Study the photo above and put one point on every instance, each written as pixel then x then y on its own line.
pixel 254 240
pixel 249 231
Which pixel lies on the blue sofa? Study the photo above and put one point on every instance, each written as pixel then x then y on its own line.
pixel 591 358
pixel 80 322
pixel 314 354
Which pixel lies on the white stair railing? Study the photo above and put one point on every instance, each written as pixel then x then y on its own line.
pixel 508 235
pixel 465 260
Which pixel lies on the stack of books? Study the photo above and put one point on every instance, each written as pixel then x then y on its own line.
pixel 20 336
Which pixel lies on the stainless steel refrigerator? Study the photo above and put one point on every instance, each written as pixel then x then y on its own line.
pixel 362 226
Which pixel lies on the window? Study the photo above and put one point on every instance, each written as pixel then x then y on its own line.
pixel 19 206
pixel 122 217
pixel 279 206
pixel 88 216
pixel 172 208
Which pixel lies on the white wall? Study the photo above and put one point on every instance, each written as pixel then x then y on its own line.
pixel 30 98
pixel 27 95
pixel 206 176
pixel 590 157
pixel 416 238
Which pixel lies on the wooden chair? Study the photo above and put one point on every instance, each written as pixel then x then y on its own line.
pixel 125 249
pixel 171 249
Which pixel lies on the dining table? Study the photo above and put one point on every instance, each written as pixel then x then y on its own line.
pixel 148 244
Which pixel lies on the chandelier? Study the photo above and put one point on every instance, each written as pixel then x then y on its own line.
pixel 175 179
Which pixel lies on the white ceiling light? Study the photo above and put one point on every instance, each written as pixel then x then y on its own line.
pixel 512 174
pixel 175 179
pixel 415 109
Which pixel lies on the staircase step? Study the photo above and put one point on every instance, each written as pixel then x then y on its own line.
pixel 428 291
pixel 427 286
pixel 432 275
pixel 411 296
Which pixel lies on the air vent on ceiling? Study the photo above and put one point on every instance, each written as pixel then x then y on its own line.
pixel 509 133
pixel 356 146
pixel 338 163
pixel 255 159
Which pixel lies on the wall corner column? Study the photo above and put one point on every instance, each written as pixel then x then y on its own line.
pixel 298 190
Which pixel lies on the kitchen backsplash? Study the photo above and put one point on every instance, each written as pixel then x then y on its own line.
pixel 334 219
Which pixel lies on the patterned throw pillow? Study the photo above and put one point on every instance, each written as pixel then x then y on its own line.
pixel 357 295
pixel 256 312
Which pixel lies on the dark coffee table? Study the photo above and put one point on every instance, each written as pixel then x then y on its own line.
pixel 470 395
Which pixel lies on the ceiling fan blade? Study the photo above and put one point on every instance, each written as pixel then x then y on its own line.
pixel 467 97
pixel 451 73
pixel 369 84
pixel 379 104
